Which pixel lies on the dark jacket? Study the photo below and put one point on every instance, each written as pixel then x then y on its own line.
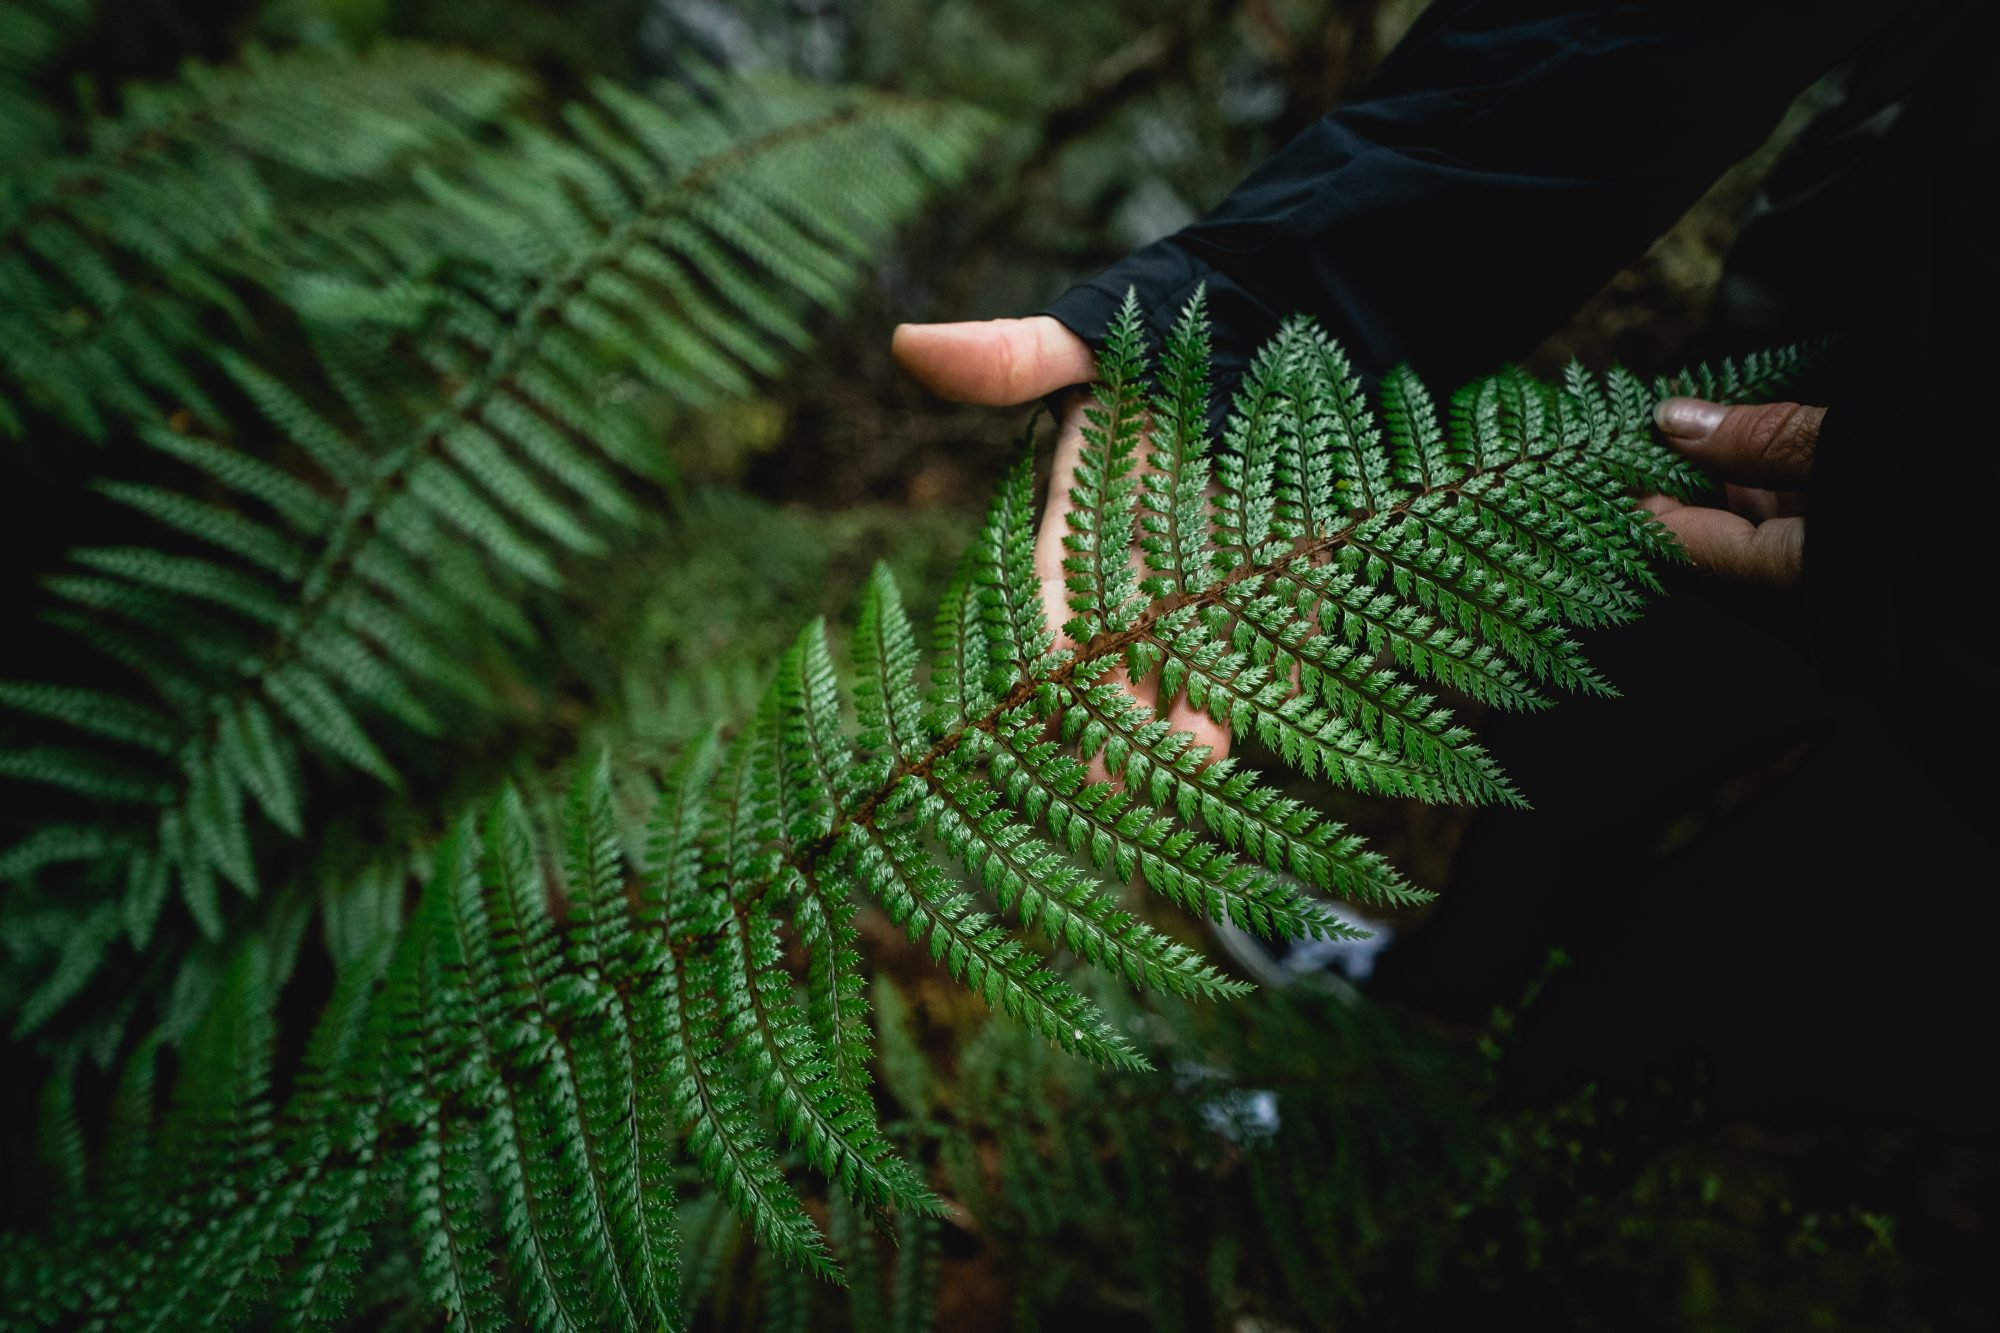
pixel 1808 944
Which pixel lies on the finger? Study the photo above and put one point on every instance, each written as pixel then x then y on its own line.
pixel 1770 444
pixel 1771 553
pixel 1049 555
pixel 997 362
pixel 1049 549
pixel 1184 716
pixel 1055 610
pixel 1757 503
pixel 1659 505
pixel 1146 692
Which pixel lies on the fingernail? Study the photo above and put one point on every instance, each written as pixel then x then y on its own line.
pixel 1689 418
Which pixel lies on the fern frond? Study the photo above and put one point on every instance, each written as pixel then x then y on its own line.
pixel 892 728
pixel 1034 880
pixel 1756 375
pixel 525 1155
pixel 814 770
pixel 1103 591
pixel 32 34
pixel 1326 542
pixel 621 1078
pixel 683 1002
pixel 547 1023
pixel 110 261
pixel 1173 511
pixel 445 1173
pixel 1017 640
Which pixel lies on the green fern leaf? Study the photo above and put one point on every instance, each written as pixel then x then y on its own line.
pixel 1174 489
pixel 622 1080
pixel 1003 561
pixel 1103 591
pixel 886 693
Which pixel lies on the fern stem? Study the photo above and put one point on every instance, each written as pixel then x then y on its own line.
pixel 1101 651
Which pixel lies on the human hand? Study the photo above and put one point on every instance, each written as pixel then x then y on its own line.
pixel 1763 455
pixel 1004 362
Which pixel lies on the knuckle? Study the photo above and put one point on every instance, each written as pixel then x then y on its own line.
pixel 1791 553
pixel 1783 434
pixel 1008 361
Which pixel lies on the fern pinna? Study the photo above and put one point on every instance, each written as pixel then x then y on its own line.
pixel 503 1086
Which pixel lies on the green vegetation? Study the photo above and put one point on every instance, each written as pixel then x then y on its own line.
pixel 443 879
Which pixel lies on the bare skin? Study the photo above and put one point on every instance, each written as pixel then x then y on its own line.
pixel 1763 455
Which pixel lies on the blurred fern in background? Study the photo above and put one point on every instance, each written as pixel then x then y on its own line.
pixel 347 553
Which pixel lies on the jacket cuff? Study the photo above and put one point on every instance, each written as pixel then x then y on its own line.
pixel 1166 275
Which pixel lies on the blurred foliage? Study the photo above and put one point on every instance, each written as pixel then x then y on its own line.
pixel 1305 1160
pixel 1118 123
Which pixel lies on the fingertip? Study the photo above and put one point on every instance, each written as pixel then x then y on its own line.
pixel 1732 547
pixel 1768 445
pixel 947 359
pixel 902 342
pixel 992 362
pixel 1695 519
pixel 1061 358
pixel 918 348
pixel 1688 420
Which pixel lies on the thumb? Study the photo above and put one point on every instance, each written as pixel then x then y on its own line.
pixel 997 362
pixel 1770 444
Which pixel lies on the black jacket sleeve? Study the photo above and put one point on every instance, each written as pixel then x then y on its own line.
pixel 1509 157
